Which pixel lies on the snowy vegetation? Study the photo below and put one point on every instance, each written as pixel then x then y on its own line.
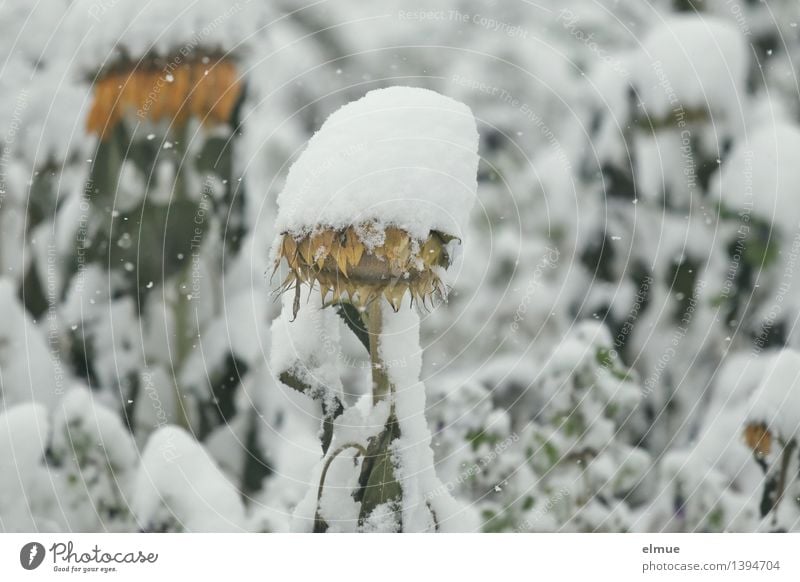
pixel 335 267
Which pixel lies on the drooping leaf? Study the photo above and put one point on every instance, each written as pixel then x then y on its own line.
pixel 352 318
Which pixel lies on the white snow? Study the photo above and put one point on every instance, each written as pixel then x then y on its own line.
pixel 80 412
pixel 401 156
pixel 399 347
pixel 107 31
pixel 762 175
pixel 178 482
pixel 308 347
pixel 669 73
pixel 29 28
pixel 24 433
pixel 27 370
pixel 96 459
pixel 776 403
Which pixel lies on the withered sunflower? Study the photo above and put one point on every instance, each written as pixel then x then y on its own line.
pixel 758 438
pixel 172 88
pixel 345 267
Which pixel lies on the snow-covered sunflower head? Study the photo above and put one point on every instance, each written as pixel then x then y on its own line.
pixel 380 198
pixel 171 89
pixel 162 61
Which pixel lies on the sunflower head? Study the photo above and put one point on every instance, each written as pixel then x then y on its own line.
pixel 364 262
pixel 758 438
pixel 171 89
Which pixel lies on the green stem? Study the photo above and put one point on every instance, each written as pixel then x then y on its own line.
pixel 788 450
pixel 381 387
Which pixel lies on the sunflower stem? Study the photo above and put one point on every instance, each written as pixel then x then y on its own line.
pixel 380 378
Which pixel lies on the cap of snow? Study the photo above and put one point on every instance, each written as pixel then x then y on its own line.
pixel 401 156
pixel 762 175
pixel 694 62
pixel 776 403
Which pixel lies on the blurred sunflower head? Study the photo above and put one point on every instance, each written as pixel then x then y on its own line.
pixel 363 262
pixel 171 89
pixel 758 438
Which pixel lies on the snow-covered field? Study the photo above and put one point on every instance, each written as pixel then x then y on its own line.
pixel 343 266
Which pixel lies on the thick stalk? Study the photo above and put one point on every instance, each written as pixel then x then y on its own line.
pixel 380 377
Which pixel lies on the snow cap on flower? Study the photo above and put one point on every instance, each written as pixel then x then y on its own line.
pixel 382 190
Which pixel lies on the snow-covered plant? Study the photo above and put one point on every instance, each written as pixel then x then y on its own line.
pixel 580 441
pixel 27 502
pixel 178 487
pixel 660 137
pixel 29 374
pixel 369 220
pixel 572 464
pixel 159 226
pixel 773 424
pixel 756 190
pixel 711 484
pixel 93 455
pixel 477 454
